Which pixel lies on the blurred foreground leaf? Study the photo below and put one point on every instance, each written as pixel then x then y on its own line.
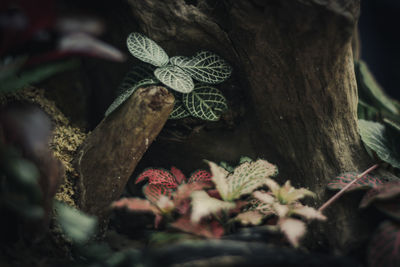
pixel 15 82
pixel 77 226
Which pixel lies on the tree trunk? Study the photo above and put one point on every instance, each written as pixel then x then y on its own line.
pixel 295 59
pixel 111 152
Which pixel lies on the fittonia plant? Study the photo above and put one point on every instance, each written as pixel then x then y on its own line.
pixel 188 77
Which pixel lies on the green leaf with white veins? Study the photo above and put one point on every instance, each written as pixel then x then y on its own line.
pixel 205 102
pixel 379 139
pixel 146 49
pixel 175 78
pixel 138 73
pixel 179 111
pixel 125 95
pixel 204 67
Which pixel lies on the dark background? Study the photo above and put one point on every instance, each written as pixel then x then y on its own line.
pixel 380 42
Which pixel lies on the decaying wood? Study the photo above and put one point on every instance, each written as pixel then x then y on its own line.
pixel 295 58
pixel 110 153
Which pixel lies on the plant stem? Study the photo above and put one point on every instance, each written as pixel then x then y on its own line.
pixel 341 192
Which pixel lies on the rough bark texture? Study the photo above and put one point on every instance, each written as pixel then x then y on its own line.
pixel 110 153
pixel 295 58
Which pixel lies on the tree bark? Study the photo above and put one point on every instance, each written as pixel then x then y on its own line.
pixel 295 59
pixel 110 153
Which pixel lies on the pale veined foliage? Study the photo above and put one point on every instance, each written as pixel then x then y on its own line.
pixel 205 102
pixel 138 73
pixel 146 49
pixel 124 96
pixel 179 111
pixel 205 67
pixel 175 78
pixel 245 179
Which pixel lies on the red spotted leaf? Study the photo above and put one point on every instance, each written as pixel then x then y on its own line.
pixel 384 247
pixel 201 176
pixel 368 181
pixel 382 192
pixel 211 229
pixel 158 176
pixel 179 176
pixel 153 192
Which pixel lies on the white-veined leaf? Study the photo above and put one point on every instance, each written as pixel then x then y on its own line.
pixel 180 61
pixel 146 49
pixel 175 78
pixel 218 177
pixel 179 111
pixel 248 176
pixel 204 205
pixel 205 102
pixel 377 138
pixel 138 73
pixel 204 67
pixel 244 180
pixel 125 95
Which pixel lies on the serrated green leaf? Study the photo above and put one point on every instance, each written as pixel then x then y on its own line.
pixel 179 111
pixel 78 226
pixel 371 90
pixel 146 49
pixel 377 138
pixel 125 95
pixel 175 78
pixel 205 67
pixel 205 102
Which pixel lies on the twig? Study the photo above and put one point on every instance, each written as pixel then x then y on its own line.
pixel 341 192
